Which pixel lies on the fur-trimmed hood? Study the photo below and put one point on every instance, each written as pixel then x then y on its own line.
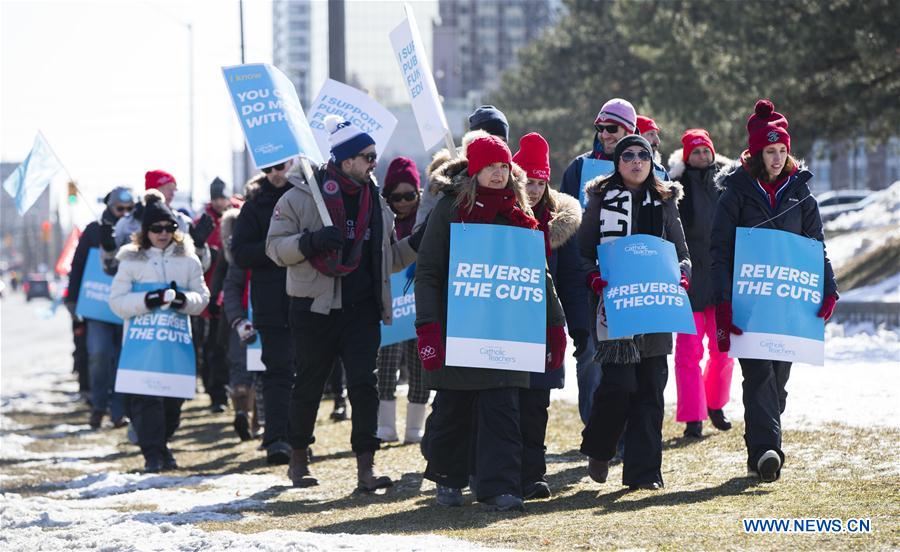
pixel 453 175
pixel 226 229
pixel 733 165
pixel 667 190
pixel 133 251
pixel 564 222
pixel 677 164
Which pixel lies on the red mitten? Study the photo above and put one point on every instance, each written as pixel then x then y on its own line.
pixel 556 343
pixel 827 308
pixel 431 346
pixel 596 283
pixel 685 283
pixel 725 327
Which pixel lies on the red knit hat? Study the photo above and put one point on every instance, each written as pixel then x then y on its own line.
pixel 694 138
pixel 534 156
pixel 157 179
pixel 486 150
pixel 646 124
pixel 766 126
pixel 401 169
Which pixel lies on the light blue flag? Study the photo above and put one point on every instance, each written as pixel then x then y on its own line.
pixel 272 119
pixel 496 304
pixel 27 182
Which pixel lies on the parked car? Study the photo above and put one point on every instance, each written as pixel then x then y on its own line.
pixel 835 203
pixel 37 285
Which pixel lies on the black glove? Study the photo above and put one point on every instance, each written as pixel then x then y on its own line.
pixel 155 299
pixel 107 238
pixel 201 230
pixel 180 298
pixel 579 337
pixel 213 308
pixel 323 239
pixel 415 239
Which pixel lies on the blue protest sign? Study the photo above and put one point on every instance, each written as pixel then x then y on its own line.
pixel 93 296
pixel 157 353
pixel 777 289
pixel 496 304
pixel 254 350
pixel 644 294
pixel 403 305
pixel 592 168
pixel 271 116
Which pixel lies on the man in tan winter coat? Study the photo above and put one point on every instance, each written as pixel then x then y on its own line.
pixel 338 279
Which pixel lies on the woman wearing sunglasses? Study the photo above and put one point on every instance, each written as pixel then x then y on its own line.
pixel 159 253
pixel 630 395
pixel 401 190
pixel 769 189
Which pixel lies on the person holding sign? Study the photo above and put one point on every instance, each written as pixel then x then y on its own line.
pixel 159 253
pixel 700 393
pixel 338 278
pixel 104 339
pixel 484 188
pixel 401 190
pixel 769 189
pixel 559 216
pixel 615 119
pixel 630 395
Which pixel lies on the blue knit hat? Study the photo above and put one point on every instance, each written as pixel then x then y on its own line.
pixel 346 140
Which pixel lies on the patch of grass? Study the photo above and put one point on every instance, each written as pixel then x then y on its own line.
pixel 831 472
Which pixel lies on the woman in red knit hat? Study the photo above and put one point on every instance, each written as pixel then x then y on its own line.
pixel 482 188
pixel 769 189
pixel 401 190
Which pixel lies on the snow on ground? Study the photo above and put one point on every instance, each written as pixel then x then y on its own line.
pixel 883 210
pixel 111 511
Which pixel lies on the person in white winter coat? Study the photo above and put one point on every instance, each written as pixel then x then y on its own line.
pixel 159 253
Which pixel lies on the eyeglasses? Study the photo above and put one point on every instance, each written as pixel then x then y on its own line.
pixel 630 156
pixel 610 129
pixel 369 157
pixel 160 228
pixel 278 167
pixel 124 208
pixel 405 196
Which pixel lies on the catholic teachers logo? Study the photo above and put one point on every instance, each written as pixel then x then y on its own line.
pixel 640 249
pixel 777 347
pixel 267 148
pixel 496 355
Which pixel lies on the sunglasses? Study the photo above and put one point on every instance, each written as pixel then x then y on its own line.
pixel 124 209
pixel 405 196
pixel 369 157
pixel 630 156
pixel 610 129
pixel 160 228
pixel 278 167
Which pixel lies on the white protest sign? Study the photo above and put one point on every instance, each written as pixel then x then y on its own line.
pixel 423 95
pixel 355 106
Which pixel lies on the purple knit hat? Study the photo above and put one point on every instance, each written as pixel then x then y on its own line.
pixel 620 112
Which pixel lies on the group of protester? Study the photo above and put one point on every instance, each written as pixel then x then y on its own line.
pixel 311 250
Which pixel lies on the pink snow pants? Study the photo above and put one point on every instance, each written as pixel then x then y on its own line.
pixel 698 390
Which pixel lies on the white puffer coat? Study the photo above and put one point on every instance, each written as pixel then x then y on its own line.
pixel 176 263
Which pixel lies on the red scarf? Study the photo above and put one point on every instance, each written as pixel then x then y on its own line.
pixel 334 182
pixel 490 202
pixel 542 213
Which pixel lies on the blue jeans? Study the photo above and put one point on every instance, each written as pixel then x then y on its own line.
pixel 104 342
pixel 588 372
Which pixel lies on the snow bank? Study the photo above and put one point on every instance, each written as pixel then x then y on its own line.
pixel 887 290
pixel 884 210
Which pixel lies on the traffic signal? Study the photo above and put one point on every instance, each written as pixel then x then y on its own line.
pixel 73 193
pixel 45 231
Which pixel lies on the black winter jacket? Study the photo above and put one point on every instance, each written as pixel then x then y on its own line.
pixel 744 203
pixel 89 238
pixel 268 294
